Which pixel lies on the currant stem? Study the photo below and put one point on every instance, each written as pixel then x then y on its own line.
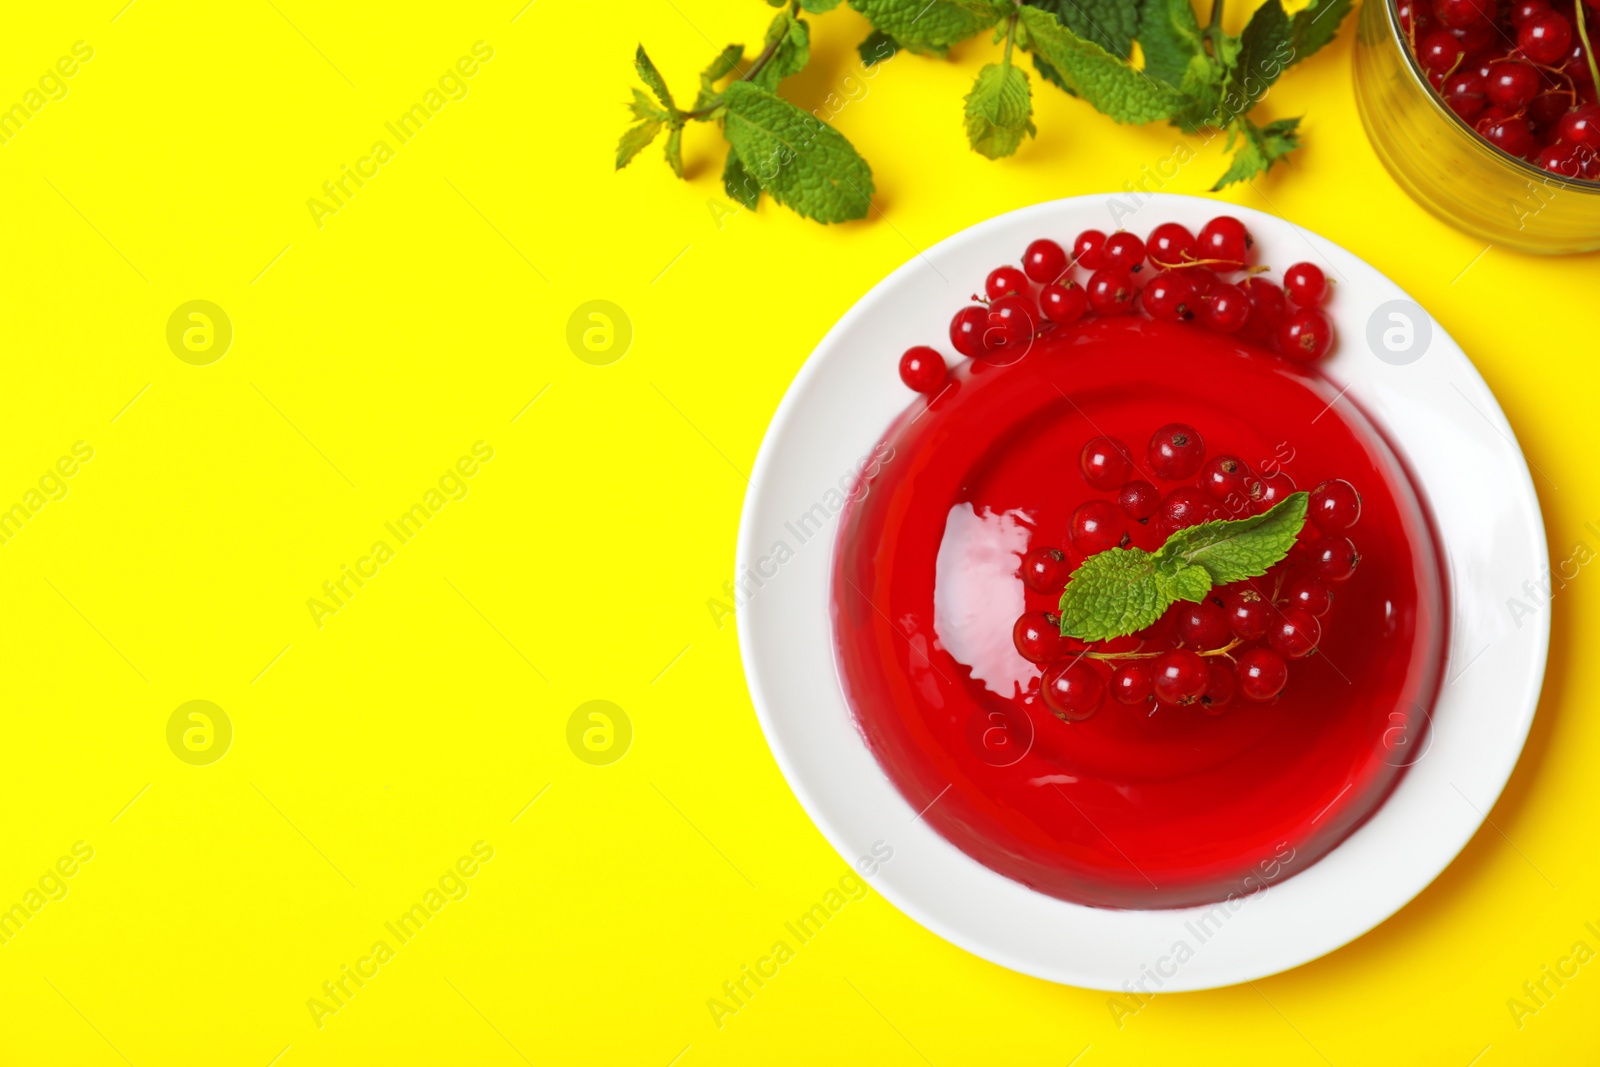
pixel 1107 656
pixel 755 68
pixel 1583 35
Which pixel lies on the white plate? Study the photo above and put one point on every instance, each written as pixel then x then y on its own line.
pixel 1447 427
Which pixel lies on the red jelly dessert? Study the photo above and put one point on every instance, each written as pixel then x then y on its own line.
pixel 1239 737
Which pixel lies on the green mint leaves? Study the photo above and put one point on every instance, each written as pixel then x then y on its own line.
pixel 1197 78
pixel 1122 590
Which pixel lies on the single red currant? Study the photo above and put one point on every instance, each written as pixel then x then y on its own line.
pixel 1111 292
pixel 1334 505
pixel 1512 85
pixel 1267 309
pixel 1225 309
pixel 1262 674
pixel 1176 452
pixel 1459 13
pixel 1306 335
pixel 1045 570
pixel 1037 635
pixel 1105 462
pixel 1228 481
pixel 969 329
pixel 922 369
pixel 1044 261
pixel 1545 38
pixel 1439 52
pixel 1275 489
pixel 1334 558
pixel 1139 500
pixel 1184 507
pixel 1130 684
pixel 1170 245
pixel 1310 595
pixel 1305 284
pixel 1294 633
pixel 1005 281
pixel 1063 304
pixel 1202 626
pixel 1559 158
pixel 1169 296
pixel 1220 687
pixel 1096 526
pixel 1523 10
pixel 1086 249
pixel 1248 613
pixel 1073 690
pixel 1467 93
pixel 1013 320
pixel 1181 677
pixel 1581 126
pixel 1476 37
pixel 1224 238
pixel 1547 108
pixel 1123 251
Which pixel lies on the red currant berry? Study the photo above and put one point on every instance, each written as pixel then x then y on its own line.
pixel 1513 85
pixel 1577 65
pixel 1547 108
pixel 1306 335
pixel 1275 489
pixel 1013 320
pixel 1184 507
pixel 1139 500
pixel 1169 296
pixel 1176 452
pixel 1086 249
pixel 1225 238
pixel 1262 674
pixel 1559 158
pixel 1523 10
pixel 1105 462
pixel 1073 690
pixel 1310 595
pixel 1439 52
pixel 1248 613
pixel 1334 505
pixel 1096 526
pixel 1294 634
pixel 1225 309
pixel 1111 292
pixel 1459 13
pixel 1130 684
pixel 1045 570
pixel 1477 36
pixel 1044 261
pixel 1581 126
pixel 1220 687
pixel 1202 626
pixel 923 369
pixel 1037 635
pixel 1063 304
pixel 1004 281
pixel 1545 38
pixel 1267 309
pixel 1305 284
pixel 1467 93
pixel 1334 559
pixel 1203 280
pixel 1170 245
pixel 1181 677
pixel 969 329
pixel 1123 251
pixel 1229 481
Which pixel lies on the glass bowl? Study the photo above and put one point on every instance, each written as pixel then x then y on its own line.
pixel 1450 170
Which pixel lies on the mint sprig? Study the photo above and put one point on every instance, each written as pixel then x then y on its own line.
pixel 1122 590
pixel 1196 78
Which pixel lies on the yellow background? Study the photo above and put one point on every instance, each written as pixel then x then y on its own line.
pixel 369 754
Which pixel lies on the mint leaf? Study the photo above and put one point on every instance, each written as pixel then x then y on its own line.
pixel 725 63
pixel 1122 590
pixel 1271 42
pixel 1315 25
pixel 1106 82
pixel 877 47
pixel 930 26
pixel 652 77
pixel 738 183
pixel 1232 550
pixel 1112 593
pixel 635 140
pixel 807 165
pixel 1111 24
pixel 791 39
pixel 817 7
pixel 999 110
pixel 1259 148
pixel 1170 38
pixel 675 150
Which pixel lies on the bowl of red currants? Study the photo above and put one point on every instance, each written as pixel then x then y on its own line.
pixel 1485 112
